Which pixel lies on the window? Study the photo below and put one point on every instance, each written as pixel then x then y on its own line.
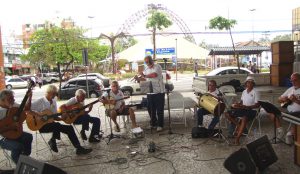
pixel 70 85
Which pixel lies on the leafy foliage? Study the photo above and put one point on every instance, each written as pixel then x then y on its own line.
pixel 158 20
pixel 286 37
pixel 221 23
pixel 58 45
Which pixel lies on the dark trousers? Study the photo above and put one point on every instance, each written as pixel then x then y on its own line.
pixel 21 145
pixel 156 103
pixel 56 128
pixel 84 120
pixel 201 112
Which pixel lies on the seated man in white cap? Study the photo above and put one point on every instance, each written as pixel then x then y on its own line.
pixel 244 109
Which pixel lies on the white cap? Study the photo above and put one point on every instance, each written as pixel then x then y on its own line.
pixel 250 78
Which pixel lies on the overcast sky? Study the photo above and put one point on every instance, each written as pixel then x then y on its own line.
pixel 108 16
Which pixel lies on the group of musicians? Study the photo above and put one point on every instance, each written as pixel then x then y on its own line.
pixel 246 109
pixel 45 119
pixel 238 116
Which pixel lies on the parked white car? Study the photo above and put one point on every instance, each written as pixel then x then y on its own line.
pixel 131 86
pixel 15 82
pixel 228 70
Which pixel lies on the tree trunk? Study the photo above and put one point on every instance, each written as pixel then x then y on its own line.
pixel 154 43
pixel 235 55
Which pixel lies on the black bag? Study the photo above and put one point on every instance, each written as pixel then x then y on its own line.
pixel 199 132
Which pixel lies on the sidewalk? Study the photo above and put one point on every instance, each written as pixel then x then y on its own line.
pixel 175 153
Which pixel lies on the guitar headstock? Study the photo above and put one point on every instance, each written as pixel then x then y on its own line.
pixel 31 84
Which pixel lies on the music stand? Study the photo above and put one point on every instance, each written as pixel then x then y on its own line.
pixel 111 135
pixel 270 108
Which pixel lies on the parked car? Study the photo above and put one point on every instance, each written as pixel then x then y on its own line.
pixel 228 70
pixel 68 89
pixel 131 86
pixel 50 77
pixel 104 79
pixel 15 82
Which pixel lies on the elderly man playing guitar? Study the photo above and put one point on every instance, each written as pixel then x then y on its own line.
pixel 117 105
pixel 12 136
pixel 83 117
pixel 48 103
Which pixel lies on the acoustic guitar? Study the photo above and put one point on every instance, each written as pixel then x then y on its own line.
pixel 72 112
pixel 110 100
pixel 289 102
pixel 35 121
pixel 15 117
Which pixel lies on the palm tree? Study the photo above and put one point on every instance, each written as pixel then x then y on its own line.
pixel 157 20
pixel 222 23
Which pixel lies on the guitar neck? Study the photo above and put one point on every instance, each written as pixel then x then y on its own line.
pixel 22 105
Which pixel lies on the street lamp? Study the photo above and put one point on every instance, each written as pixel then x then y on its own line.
pixel 112 41
pixel 252 10
pixel 91 18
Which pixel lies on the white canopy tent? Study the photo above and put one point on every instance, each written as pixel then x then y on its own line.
pixel 185 48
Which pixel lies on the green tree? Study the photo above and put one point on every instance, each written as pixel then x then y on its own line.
pixel 286 37
pixel 56 46
pixel 222 23
pixel 157 20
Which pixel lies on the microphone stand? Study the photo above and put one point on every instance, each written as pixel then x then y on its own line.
pixel 111 136
pixel 220 134
pixel 168 100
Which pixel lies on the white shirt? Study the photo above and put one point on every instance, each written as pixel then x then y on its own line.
pixel 215 93
pixel 250 98
pixel 3 112
pixel 157 82
pixel 42 104
pixel 294 107
pixel 119 96
pixel 73 101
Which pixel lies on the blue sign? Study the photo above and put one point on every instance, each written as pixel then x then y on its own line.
pixel 161 51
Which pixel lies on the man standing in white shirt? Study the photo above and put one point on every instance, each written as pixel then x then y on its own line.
pixel 156 98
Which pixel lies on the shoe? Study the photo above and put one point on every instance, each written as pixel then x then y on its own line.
pixel 53 145
pixel 93 139
pixel 280 133
pixel 83 135
pixel 117 129
pixel 289 138
pixel 82 151
pixel 159 129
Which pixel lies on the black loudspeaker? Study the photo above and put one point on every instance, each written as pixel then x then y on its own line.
pixel 85 60
pixel 262 152
pixel 240 163
pixel 31 166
